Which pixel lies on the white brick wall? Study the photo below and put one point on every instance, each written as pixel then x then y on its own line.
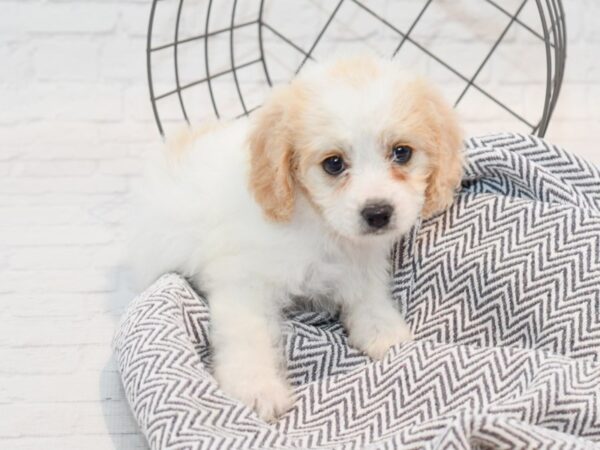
pixel 75 123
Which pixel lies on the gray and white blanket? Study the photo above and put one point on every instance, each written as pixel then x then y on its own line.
pixel 502 292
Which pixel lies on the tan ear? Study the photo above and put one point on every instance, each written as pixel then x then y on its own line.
pixel 272 155
pixel 446 154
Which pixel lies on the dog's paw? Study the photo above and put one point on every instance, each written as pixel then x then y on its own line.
pixel 269 396
pixel 376 340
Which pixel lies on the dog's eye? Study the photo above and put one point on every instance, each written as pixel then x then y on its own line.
pixel 401 154
pixel 334 165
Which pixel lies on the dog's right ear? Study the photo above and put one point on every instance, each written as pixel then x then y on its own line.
pixel 272 154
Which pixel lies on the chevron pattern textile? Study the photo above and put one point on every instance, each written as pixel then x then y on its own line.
pixel 502 292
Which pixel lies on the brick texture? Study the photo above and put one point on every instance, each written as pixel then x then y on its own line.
pixel 75 126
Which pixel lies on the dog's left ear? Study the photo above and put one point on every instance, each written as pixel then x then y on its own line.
pixel 272 155
pixel 446 154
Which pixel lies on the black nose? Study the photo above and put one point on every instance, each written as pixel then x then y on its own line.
pixel 377 215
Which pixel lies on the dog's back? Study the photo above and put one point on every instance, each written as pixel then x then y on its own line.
pixel 191 187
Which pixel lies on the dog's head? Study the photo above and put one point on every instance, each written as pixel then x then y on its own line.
pixel 369 146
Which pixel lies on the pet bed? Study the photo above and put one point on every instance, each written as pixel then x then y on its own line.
pixel 502 292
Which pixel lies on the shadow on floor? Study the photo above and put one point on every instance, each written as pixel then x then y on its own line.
pixel 120 422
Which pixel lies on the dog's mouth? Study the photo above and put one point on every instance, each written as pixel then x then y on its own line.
pixel 376 232
pixel 389 232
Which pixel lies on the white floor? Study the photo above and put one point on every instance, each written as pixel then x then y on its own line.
pixel 75 124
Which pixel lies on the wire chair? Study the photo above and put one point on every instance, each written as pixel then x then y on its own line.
pixel 219 58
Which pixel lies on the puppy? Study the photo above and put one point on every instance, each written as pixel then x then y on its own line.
pixel 304 199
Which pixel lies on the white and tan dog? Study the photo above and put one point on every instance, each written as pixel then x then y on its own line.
pixel 304 199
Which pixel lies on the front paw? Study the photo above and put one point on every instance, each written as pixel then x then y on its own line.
pixel 376 339
pixel 270 396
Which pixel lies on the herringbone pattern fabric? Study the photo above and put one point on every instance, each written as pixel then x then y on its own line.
pixel 502 292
